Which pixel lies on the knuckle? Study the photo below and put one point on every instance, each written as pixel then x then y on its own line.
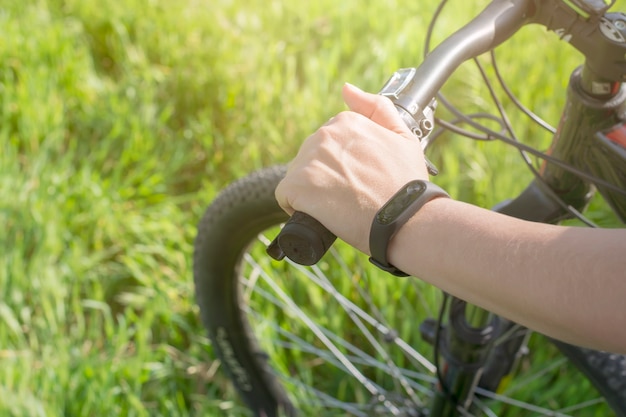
pixel 330 130
pixel 341 119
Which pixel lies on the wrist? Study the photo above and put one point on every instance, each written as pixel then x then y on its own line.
pixel 392 217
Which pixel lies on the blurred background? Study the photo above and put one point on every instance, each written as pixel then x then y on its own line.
pixel 120 121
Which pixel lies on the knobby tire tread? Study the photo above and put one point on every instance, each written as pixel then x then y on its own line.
pixel 228 225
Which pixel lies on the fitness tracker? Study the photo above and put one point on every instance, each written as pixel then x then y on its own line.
pixel 394 214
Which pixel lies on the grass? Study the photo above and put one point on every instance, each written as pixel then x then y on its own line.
pixel 119 121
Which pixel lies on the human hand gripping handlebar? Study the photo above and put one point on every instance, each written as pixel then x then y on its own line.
pixel 305 240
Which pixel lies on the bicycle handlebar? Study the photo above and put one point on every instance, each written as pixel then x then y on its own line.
pixel 494 25
pixel 303 239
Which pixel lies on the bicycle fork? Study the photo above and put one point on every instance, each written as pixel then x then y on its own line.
pixel 462 349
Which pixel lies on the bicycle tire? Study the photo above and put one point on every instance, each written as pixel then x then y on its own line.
pixel 229 225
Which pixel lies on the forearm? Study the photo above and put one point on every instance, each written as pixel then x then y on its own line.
pixel 553 279
pixel 569 283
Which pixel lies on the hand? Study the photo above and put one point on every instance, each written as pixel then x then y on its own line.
pixel 351 166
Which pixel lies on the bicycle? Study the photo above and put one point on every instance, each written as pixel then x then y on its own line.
pixel 476 358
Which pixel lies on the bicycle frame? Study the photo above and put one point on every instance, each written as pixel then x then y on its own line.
pixel 596 103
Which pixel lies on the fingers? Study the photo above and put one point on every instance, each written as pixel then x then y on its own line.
pixel 375 107
pixel 281 198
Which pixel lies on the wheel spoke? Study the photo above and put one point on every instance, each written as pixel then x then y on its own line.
pixel 317 276
pixel 349 366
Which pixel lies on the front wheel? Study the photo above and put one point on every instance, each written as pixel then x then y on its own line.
pixel 342 337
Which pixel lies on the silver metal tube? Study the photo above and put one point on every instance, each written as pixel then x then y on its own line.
pixel 495 24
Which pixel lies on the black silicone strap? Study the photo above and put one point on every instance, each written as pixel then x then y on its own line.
pixel 382 231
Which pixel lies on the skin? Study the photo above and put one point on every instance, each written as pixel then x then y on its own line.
pixel 566 282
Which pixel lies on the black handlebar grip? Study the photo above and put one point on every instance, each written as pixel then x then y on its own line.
pixel 303 239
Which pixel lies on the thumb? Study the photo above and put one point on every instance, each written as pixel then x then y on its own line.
pixel 375 107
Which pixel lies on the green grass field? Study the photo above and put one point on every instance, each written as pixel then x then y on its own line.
pixel 119 122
